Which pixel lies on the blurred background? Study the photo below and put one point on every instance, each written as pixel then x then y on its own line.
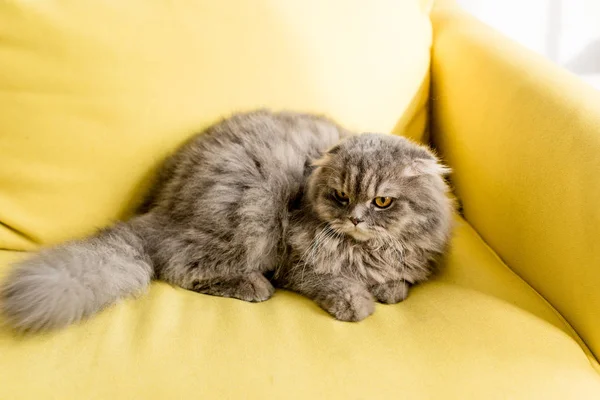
pixel 565 31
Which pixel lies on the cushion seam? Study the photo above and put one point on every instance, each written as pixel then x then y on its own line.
pixel 572 332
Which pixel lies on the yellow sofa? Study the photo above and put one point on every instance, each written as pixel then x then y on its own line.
pixel 94 94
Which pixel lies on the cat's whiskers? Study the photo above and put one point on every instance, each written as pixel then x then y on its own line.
pixel 320 253
pixel 321 244
pixel 308 254
pixel 398 247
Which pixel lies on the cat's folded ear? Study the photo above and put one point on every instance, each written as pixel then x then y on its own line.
pixel 324 159
pixel 426 166
pixel 334 150
pixel 319 162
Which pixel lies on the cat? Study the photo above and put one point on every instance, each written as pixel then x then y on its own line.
pixel 257 201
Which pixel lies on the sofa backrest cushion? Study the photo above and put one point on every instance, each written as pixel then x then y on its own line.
pixel 94 94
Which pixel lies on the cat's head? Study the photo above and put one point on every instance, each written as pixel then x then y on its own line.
pixel 374 186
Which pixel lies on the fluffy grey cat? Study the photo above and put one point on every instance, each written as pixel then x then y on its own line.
pixel 257 200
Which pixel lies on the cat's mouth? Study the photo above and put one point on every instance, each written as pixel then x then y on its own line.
pixel 357 232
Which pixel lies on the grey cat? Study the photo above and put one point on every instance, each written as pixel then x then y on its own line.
pixel 257 200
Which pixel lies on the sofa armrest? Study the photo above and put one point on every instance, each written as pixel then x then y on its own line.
pixel 523 138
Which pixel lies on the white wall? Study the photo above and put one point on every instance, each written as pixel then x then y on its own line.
pixel 565 31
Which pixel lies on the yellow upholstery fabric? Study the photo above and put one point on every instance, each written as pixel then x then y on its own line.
pixel 523 138
pixel 93 94
pixel 476 332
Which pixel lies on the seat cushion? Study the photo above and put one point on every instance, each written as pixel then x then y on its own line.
pixel 93 94
pixel 476 331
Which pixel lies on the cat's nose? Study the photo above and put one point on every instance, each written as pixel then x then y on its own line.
pixel 355 220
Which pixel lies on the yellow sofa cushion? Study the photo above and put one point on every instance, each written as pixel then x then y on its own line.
pixel 93 94
pixel 476 331
pixel 523 138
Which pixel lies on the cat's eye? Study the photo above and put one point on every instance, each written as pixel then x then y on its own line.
pixel 341 196
pixel 382 202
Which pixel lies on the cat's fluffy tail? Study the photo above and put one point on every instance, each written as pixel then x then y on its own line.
pixel 64 284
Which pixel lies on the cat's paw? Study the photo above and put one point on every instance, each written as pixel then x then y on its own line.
pixel 391 292
pixel 354 303
pixel 253 287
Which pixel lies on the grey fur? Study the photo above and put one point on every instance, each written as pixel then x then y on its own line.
pixel 253 196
